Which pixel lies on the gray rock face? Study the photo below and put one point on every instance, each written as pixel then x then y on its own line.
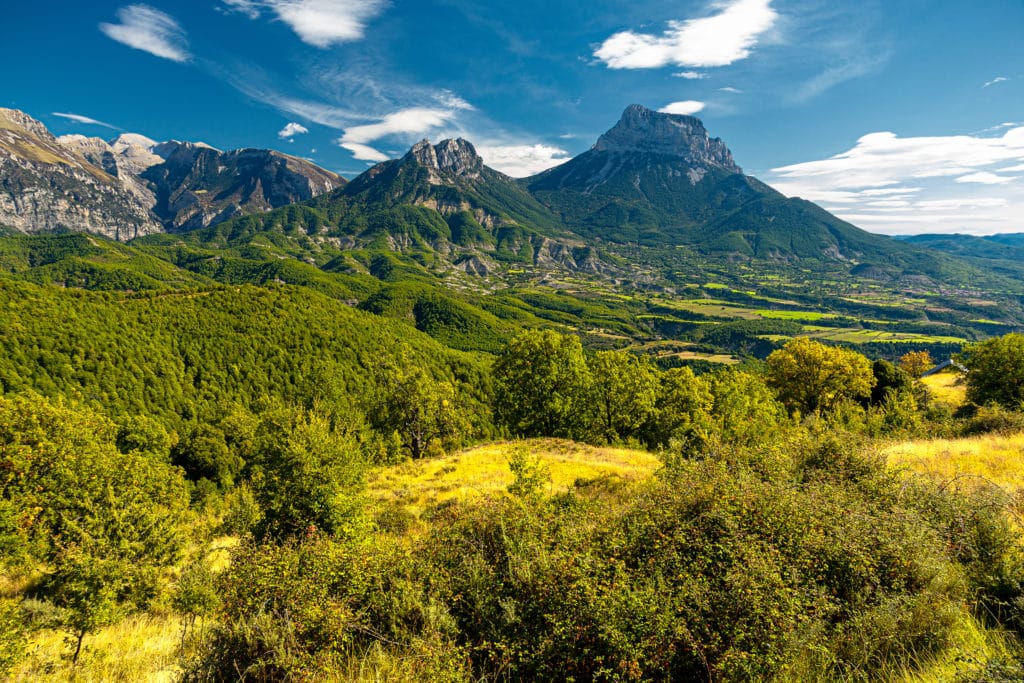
pixel 645 131
pixel 197 185
pixel 455 157
pixel 124 157
pixel 46 185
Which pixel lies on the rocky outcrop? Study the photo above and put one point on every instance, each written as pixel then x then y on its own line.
pixel 641 130
pixel 457 158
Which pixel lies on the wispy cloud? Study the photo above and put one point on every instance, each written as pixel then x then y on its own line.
pixel 732 91
pixel 717 40
pixel 150 30
pixel 691 75
pixel 291 130
pixel 413 121
pixel 321 23
pixel 78 118
pixel 915 184
pixel 853 65
pixel 520 161
pixel 985 178
pixel 997 79
pixel 687 107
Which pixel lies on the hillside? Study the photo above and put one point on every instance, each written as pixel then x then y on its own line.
pixel 179 355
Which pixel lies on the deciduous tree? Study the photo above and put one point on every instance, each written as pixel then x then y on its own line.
pixel 995 370
pixel 542 384
pixel 810 376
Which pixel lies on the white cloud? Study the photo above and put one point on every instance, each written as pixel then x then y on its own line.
pixel 997 79
pixel 691 75
pixel 78 118
pixel 321 23
pixel 687 107
pixel 918 184
pixel 246 7
pixel 363 152
pixel 291 130
pixel 985 178
pixel 405 122
pixel 734 91
pixel 881 159
pixel 150 30
pixel 717 40
pixel 520 161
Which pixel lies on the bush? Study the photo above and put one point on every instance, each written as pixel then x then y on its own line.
pixel 993 419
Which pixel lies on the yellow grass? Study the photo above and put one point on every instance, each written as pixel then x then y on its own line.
pixel 996 458
pixel 946 387
pixel 483 471
pixel 972 644
pixel 141 648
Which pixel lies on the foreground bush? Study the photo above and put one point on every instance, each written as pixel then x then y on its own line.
pixel 809 562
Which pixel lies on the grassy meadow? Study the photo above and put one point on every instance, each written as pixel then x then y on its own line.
pixel 419 485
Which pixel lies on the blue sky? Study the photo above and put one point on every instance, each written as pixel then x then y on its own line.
pixel 901 116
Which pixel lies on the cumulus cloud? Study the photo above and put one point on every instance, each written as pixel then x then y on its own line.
pixel 520 161
pixel 78 118
pixel 914 184
pixel 150 30
pixel 291 130
pixel 717 40
pixel 321 23
pixel 405 122
pixel 687 107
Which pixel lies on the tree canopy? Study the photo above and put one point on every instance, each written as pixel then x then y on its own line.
pixel 810 376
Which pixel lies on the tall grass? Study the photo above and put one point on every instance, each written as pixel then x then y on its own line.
pixel 142 648
pixel 995 458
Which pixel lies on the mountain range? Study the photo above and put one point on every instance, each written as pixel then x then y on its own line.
pixel 653 179
pixel 131 185
pixel 656 211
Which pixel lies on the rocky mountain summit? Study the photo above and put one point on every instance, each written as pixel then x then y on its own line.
pixel 132 185
pixel 660 179
pixel 642 131
pixel 455 157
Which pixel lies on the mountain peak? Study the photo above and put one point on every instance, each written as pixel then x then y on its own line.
pixel 125 140
pixel 455 157
pixel 15 119
pixel 646 131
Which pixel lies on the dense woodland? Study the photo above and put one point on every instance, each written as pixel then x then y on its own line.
pixel 774 543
